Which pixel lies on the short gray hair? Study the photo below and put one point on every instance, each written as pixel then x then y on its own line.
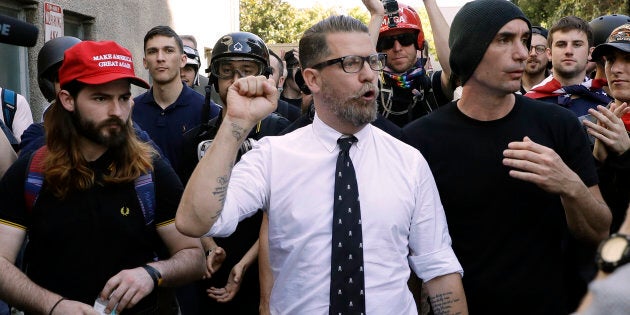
pixel 313 45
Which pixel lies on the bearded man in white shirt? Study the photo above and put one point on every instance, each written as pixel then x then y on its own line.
pixel 292 178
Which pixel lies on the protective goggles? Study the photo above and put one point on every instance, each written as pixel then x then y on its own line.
pixel 387 42
pixel 227 68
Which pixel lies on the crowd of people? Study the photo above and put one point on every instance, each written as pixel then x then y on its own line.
pixel 342 177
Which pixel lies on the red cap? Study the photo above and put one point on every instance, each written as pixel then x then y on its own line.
pixel 407 19
pixel 98 63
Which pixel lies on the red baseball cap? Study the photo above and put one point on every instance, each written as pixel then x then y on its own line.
pixel 93 63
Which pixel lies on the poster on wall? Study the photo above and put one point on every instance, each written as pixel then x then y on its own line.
pixel 53 21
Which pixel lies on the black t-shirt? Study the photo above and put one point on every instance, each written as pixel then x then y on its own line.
pixel 296 102
pixel 507 233
pixel 77 244
pixel 614 176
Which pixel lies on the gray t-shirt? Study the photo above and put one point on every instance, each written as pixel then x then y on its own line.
pixel 610 295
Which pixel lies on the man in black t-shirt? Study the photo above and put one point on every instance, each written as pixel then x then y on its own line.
pixel 93 232
pixel 515 175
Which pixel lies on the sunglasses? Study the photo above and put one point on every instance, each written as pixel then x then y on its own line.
pixel 404 39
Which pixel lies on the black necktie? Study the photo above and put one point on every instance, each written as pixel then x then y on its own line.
pixel 347 285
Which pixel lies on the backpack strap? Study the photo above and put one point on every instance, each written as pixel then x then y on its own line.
pixel 9 105
pixel 207 104
pixel 15 144
pixel 34 177
pixel 145 191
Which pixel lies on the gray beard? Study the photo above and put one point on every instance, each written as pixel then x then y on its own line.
pixel 352 109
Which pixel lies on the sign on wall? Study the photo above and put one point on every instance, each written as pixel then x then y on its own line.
pixel 53 21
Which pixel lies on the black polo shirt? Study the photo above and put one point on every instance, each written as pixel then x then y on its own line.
pixel 77 244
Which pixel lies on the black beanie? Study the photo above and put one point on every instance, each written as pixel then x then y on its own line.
pixel 472 31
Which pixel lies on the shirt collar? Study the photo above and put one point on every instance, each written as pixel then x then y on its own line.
pixel 183 95
pixel 328 136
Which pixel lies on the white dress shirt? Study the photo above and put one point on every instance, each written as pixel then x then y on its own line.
pixel 292 178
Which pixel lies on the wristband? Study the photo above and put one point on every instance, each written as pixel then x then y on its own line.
pixel 155 275
pixel 54 306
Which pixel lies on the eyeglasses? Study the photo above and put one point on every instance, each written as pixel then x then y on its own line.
pixel 353 64
pixel 539 49
pixel 227 69
pixel 387 42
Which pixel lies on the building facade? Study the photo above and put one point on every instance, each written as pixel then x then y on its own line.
pixel 124 21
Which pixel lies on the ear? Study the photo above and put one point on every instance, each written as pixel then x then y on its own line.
pixel 67 101
pixel 547 51
pixel 312 79
pixel 280 82
pixel 183 61
pixel 145 63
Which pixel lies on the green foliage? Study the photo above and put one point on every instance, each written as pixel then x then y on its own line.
pixel 276 21
pixel 273 20
pixel 360 13
pixel 307 17
pixel 426 29
pixel 546 12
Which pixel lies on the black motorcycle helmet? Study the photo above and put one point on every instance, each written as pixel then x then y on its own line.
pixel 48 62
pixel 240 45
pixel 604 25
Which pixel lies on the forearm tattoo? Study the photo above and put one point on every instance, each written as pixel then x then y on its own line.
pixel 238 132
pixel 220 191
pixel 443 302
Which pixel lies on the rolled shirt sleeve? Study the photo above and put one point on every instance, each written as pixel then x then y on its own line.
pixel 431 254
